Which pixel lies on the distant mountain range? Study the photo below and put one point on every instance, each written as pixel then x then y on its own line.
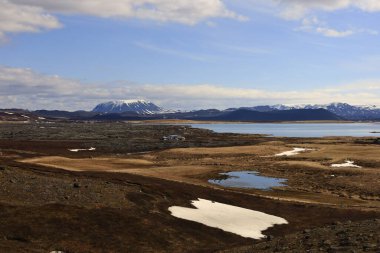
pixel 344 110
pixel 145 110
pixel 340 110
pixel 142 107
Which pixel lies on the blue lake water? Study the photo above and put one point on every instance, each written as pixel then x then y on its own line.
pixel 248 179
pixel 297 130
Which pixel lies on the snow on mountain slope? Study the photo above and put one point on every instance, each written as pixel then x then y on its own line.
pixel 120 106
pixel 347 111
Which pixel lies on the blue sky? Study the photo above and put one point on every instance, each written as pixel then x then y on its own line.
pixel 188 54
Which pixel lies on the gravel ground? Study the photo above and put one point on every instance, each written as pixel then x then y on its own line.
pixel 339 237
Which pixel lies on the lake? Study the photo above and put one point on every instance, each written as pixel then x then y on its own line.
pixel 297 129
pixel 248 179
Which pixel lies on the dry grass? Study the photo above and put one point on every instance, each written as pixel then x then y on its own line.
pixel 90 164
pixel 309 174
pixel 259 150
pixel 340 152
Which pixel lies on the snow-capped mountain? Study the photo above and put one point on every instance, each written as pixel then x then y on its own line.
pixel 354 112
pixel 347 111
pixel 120 106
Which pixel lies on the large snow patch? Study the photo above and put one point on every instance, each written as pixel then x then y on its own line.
pixel 237 220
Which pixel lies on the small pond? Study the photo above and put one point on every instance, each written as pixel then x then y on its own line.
pixel 248 179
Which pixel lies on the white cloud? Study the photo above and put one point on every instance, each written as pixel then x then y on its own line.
pixel 306 11
pixel 329 32
pixel 16 18
pixel 182 11
pixel 27 89
pixel 297 9
pixel 313 24
pixel 36 15
pixel 16 81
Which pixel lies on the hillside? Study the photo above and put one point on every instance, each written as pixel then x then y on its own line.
pixel 286 115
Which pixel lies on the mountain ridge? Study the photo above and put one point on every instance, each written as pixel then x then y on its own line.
pixel 144 110
pixel 279 115
pixel 134 105
pixel 347 111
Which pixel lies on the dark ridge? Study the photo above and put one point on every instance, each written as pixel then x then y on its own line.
pixel 286 115
pixel 64 114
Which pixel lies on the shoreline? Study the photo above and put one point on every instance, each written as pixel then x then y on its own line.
pixel 176 122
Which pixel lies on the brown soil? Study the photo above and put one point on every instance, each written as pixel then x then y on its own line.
pixel 53 199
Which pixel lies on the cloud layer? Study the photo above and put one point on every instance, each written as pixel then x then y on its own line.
pixel 36 15
pixel 300 9
pixel 308 11
pixel 297 9
pixel 16 18
pixel 24 88
pixel 182 11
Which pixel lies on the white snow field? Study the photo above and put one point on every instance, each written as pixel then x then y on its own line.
pixel 237 220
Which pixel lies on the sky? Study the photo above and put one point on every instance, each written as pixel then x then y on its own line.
pixel 188 54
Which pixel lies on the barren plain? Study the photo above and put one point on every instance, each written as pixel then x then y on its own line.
pixel 116 197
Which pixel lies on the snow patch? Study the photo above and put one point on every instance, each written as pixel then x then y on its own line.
pixel 131 101
pixel 295 151
pixel 244 222
pixel 347 164
pixel 79 149
pixel 9 113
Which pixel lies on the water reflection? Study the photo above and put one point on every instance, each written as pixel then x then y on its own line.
pixel 248 179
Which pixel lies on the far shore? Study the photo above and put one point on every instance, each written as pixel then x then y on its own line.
pixel 180 121
pixel 184 122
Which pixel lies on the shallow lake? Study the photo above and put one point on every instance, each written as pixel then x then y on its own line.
pixel 248 179
pixel 297 130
